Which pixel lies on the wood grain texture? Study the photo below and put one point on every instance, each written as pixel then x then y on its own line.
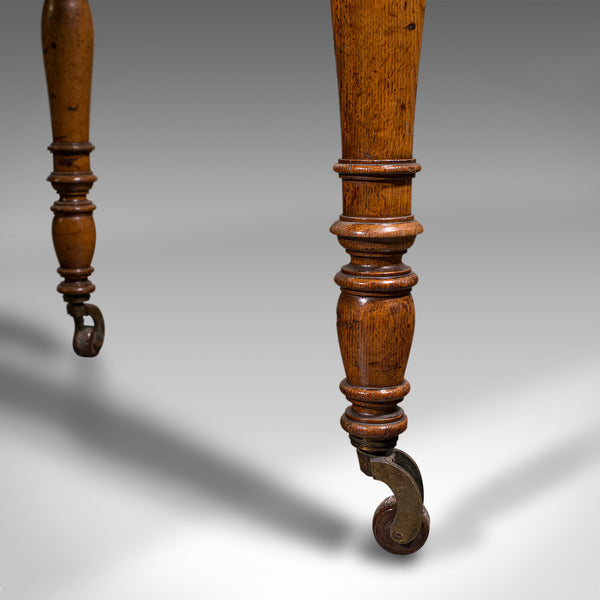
pixel 377 48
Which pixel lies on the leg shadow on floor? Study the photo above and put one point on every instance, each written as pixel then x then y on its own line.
pixel 98 419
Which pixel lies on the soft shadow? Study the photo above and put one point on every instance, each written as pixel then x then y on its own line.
pixel 101 423
pixel 464 526
pixel 28 335
pixel 532 477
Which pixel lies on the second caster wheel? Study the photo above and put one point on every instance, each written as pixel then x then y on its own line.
pixel 382 520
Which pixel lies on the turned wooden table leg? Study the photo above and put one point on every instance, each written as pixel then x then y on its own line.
pixel 68 44
pixel 377 47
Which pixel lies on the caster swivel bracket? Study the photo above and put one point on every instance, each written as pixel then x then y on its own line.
pixel 401 522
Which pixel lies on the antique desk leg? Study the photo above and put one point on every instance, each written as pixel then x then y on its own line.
pixel 68 43
pixel 377 47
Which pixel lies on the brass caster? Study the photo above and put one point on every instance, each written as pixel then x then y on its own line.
pixel 392 542
pixel 87 339
pixel 401 522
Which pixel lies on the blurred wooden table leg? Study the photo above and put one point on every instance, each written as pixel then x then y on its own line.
pixel 68 45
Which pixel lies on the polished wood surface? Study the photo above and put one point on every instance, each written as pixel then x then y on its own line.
pixel 68 45
pixel 377 48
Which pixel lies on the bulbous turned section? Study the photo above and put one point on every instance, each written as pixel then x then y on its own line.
pixel 375 323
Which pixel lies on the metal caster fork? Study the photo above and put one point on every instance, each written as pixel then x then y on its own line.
pixel 401 522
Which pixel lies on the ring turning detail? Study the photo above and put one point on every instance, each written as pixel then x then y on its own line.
pixel 377 49
pixel 68 45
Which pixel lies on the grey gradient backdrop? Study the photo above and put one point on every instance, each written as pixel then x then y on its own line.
pixel 200 455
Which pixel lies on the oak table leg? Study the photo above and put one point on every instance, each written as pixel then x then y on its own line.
pixel 68 45
pixel 377 48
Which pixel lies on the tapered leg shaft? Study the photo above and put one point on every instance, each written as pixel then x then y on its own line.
pixel 377 47
pixel 67 43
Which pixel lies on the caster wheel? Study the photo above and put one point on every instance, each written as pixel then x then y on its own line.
pixel 382 520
